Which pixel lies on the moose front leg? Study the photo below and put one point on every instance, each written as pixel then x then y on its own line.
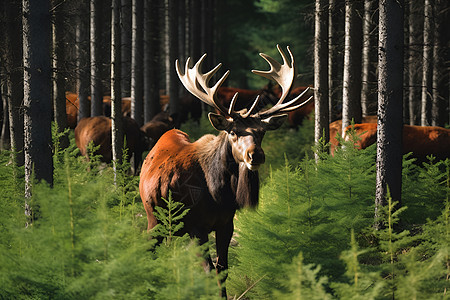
pixel 223 238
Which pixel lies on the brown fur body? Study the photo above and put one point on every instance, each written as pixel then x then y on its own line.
pixel 420 140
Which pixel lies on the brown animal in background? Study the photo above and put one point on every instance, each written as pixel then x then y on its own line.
pixel 336 128
pixel 160 124
pixel 420 140
pixel 98 130
pixel 72 106
pixel 296 117
pixel 215 175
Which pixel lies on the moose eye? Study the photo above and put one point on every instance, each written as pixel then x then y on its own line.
pixel 232 133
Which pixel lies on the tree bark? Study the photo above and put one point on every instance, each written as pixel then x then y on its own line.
pixel 321 72
pixel 333 59
pixel 116 96
pixel 390 95
pixel 137 61
pixel 95 40
pixel 82 53
pixel 427 75
pixel 152 56
pixel 351 96
pixel 174 109
pixel 126 16
pixel 37 94
pixel 59 72
pixel 414 56
pixel 368 72
pixel 440 74
pixel 13 59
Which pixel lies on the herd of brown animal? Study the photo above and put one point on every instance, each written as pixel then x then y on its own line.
pixel 421 141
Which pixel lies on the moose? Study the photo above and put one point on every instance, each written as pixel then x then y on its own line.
pixel 216 175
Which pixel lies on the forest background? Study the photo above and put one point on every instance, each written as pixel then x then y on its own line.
pixel 312 236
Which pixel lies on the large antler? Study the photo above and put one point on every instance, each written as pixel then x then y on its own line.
pixel 284 75
pixel 197 83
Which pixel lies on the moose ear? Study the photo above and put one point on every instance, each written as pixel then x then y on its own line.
pixel 274 122
pixel 219 122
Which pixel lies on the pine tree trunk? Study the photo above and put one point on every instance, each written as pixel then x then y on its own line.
pixel 174 109
pixel 116 96
pixel 333 58
pixel 59 82
pixel 152 74
pixel 321 72
pixel 82 53
pixel 440 74
pixel 368 80
pixel 351 96
pixel 14 85
pixel 427 76
pixel 137 61
pixel 95 40
pixel 390 95
pixel 126 45
pixel 414 55
pixel 37 94
pixel 196 43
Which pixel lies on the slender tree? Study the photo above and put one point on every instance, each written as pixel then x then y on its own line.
pixel 82 54
pixel 414 55
pixel 440 100
pixel 390 95
pixel 321 71
pixel 334 14
pixel 351 96
pixel 173 86
pixel 126 16
pixel 152 74
pixel 368 74
pixel 137 47
pixel 427 64
pixel 95 40
pixel 58 59
pixel 116 99
pixel 14 82
pixel 37 94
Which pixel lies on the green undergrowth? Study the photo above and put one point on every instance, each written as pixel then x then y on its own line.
pixel 311 236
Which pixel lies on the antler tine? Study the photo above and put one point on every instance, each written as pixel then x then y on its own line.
pixel 283 74
pixel 197 83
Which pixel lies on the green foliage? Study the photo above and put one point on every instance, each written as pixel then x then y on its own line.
pixel 87 240
pixel 311 237
pixel 295 244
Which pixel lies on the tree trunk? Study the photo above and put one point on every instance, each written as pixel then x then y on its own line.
pixel 333 58
pixel 174 110
pixel 59 76
pixel 440 74
pixel 95 40
pixel 414 56
pixel 14 48
pixel 152 75
pixel 351 96
pixel 196 44
pixel 368 72
pixel 126 40
pixel 116 96
pixel 390 95
pixel 427 75
pixel 137 61
pixel 321 72
pixel 37 94
pixel 82 53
